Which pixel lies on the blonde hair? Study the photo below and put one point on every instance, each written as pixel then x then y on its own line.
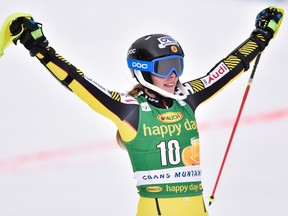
pixel 134 92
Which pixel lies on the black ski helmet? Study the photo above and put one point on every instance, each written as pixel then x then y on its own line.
pixel 150 47
pixel 153 46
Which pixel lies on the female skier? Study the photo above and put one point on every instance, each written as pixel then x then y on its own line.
pixel 156 119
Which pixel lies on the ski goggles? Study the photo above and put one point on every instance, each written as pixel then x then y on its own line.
pixel 161 67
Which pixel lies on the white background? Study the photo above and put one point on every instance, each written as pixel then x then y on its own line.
pixel 58 157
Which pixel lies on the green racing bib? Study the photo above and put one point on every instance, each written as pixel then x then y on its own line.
pixel 165 153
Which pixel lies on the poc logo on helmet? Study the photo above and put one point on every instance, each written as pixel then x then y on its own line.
pixel 131 51
pixel 139 65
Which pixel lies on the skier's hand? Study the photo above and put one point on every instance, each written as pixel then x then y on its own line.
pixel 29 33
pixel 268 21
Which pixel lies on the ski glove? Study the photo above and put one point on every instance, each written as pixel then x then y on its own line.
pixel 29 33
pixel 268 21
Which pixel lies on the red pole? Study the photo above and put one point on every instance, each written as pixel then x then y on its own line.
pixel 212 197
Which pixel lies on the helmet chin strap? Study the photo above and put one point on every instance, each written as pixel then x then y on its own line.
pixel 162 92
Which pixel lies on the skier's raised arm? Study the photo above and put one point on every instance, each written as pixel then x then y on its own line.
pixel 111 104
pixel 267 24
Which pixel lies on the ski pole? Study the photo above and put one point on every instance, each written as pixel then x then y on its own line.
pixel 212 197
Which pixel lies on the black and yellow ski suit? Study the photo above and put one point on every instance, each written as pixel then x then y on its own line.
pixel 124 110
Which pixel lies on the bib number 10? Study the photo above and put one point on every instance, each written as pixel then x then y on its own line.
pixel 170 152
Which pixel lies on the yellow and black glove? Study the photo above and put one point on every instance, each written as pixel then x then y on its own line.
pixel 29 33
pixel 268 22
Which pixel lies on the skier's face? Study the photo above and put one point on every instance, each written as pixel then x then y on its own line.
pixel 168 84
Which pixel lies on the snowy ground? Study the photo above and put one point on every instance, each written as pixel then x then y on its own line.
pixel 58 157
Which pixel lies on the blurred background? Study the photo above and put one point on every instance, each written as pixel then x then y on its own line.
pixel 58 157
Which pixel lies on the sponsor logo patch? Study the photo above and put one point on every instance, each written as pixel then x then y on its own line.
pixel 170 117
